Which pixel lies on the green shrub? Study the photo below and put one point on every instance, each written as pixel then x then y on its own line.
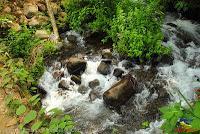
pixel 94 15
pixel 38 53
pixel 21 42
pixel 181 120
pixel 136 29
pixel 134 26
pixel 35 119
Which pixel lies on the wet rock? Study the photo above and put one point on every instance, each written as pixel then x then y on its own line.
pixel 94 83
pixel 121 92
pixel 76 66
pixel 72 38
pixel 42 34
pixel 57 74
pixel 118 72
pixel 127 64
pixel 104 67
pixel 63 84
pixel 83 89
pixel 167 59
pixel 76 79
pixel 93 95
pixel 30 10
pixel 57 66
pixel 106 54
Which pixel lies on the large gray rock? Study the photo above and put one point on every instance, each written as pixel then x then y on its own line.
pixel 76 66
pixel 121 92
pixel 104 67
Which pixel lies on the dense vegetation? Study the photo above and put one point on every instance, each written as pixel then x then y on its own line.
pixel 134 26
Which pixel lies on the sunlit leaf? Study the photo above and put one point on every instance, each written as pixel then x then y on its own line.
pixel 21 109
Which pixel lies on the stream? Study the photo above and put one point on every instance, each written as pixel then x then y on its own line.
pixel 156 86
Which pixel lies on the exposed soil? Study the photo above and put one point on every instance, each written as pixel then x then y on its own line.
pixel 8 124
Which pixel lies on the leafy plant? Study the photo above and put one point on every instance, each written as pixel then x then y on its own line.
pixel 21 42
pixel 136 29
pixel 134 26
pixel 179 119
pixel 57 122
pixel 94 15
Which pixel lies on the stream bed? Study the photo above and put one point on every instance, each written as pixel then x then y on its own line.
pixel 156 86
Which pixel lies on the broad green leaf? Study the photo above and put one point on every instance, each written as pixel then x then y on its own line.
pixel 21 109
pixel 41 112
pixel 34 98
pixel 21 126
pixel 8 99
pixel 197 109
pixel 56 112
pixel 30 116
pixel 35 101
pixel 196 123
pixel 62 125
pixel 36 126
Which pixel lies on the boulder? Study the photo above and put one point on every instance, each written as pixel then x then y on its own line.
pixel 94 83
pixel 104 67
pixel 76 66
pixel 76 79
pixel 42 34
pixel 121 92
pixel 93 95
pixel 72 38
pixel 83 89
pixel 41 7
pixel 106 54
pixel 30 10
pixel 57 74
pixel 63 84
pixel 38 20
pixel 118 72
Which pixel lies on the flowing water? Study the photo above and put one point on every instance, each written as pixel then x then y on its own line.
pixel 183 36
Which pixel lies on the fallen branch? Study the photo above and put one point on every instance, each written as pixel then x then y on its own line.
pixel 52 18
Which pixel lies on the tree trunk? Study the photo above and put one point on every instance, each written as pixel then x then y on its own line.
pixel 52 18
